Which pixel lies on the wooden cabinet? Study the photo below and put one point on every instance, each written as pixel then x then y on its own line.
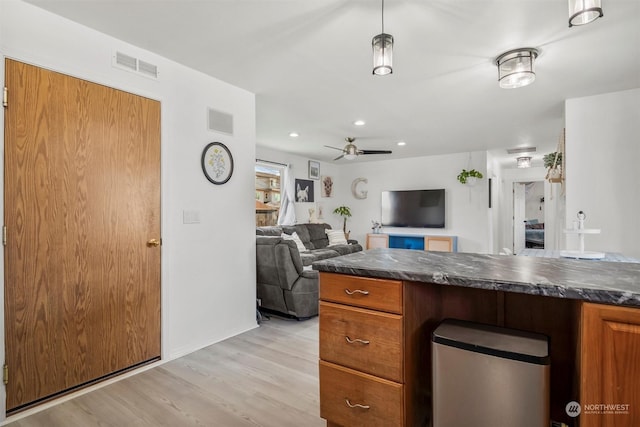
pixel 440 243
pixel 610 366
pixel 377 241
pixel 367 376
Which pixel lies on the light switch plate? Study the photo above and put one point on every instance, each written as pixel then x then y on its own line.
pixel 190 217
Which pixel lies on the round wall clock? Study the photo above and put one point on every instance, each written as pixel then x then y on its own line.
pixel 217 163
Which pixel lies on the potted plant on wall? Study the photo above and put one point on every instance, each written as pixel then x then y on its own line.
pixel 469 176
pixel 553 163
pixel 344 212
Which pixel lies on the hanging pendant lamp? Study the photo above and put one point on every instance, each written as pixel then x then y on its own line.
pixel 382 51
pixel 582 12
pixel 516 67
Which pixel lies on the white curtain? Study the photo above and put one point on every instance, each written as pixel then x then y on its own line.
pixel 287 208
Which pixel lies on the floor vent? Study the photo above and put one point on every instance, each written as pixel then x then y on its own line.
pixel 220 122
pixel 130 63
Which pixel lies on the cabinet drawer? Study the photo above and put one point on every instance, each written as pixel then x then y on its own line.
pixel 343 389
pixel 366 340
pixel 377 294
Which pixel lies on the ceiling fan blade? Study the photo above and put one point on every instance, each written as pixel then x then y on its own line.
pixel 339 157
pixel 375 151
pixel 335 148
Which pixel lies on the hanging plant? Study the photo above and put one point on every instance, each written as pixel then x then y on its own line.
pixel 550 160
pixel 464 176
pixel 553 163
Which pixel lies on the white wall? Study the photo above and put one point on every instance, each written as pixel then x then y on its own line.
pixel 208 269
pixel 602 155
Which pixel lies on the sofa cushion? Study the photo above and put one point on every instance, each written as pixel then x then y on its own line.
pixel 318 236
pixel 313 255
pixel 302 231
pixel 296 239
pixel 336 237
pixel 271 230
pixel 346 249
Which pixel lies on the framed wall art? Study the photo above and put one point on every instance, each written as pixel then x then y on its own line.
pixel 217 163
pixel 314 169
pixel 304 191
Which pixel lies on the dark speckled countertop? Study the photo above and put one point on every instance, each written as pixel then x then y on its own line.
pixel 597 281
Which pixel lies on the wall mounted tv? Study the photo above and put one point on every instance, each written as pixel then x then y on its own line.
pixel 413 208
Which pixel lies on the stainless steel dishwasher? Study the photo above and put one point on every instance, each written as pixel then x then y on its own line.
pixel 487 376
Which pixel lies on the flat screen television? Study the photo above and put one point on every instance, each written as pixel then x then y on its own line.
pixel 413 208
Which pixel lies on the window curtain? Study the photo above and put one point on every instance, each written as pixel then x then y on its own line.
pixel 287 208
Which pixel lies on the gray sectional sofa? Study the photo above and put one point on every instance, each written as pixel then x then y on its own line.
pixel 285 281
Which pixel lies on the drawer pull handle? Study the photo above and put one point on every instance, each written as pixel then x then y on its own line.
pixel 357 291
pixel 356 405
pixel 357 340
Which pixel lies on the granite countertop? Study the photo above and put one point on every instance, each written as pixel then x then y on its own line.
pixel 597 281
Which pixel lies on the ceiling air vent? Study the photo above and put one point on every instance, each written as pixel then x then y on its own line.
pixel 521 150
pixel 220 122
pixel 130 63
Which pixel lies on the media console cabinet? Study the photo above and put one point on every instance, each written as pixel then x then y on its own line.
pixel 412 241
pixel 379 308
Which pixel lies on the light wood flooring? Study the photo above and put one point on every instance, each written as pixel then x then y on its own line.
pixel 265 377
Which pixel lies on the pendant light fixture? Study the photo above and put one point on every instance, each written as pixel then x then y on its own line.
pixel 382 51
pixel 582 12
pixel 516 67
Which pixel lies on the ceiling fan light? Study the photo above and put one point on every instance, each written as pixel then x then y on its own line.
pixel 382 54
pixel 350 156
pixel 582 12
pixel 516 68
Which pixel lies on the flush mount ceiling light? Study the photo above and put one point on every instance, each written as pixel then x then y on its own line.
pixel 516 67
pixel 382 51
pixel 524 162
pixel 294 134
pixel 582 12
pixel 359 123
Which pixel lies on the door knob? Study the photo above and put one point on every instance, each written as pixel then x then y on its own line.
pixel 153 243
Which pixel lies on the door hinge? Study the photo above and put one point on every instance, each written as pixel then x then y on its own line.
pixel 5 374
pixel 5 97
pixel 4 235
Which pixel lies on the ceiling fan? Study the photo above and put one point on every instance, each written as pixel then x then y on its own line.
pixel 350 151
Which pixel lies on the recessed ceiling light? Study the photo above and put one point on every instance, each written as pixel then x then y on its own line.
pixel 401 143
pixel 294 134
pixel 359 122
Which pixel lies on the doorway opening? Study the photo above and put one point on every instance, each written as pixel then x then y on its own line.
pixel 528 215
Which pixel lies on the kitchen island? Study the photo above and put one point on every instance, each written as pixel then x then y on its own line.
pixel 379 307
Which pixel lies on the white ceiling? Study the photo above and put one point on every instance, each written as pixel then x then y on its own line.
pixel 309 64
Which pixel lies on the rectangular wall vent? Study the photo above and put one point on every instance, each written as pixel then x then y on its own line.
pixel 148 69
pixel 126 61
pixel 521 150
pixel 220 122
pixel 130 63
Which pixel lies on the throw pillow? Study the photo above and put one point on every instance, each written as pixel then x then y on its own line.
pixel 336 237
pixel 296 239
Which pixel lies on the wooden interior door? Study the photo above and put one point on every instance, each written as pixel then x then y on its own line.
pixel 82 202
